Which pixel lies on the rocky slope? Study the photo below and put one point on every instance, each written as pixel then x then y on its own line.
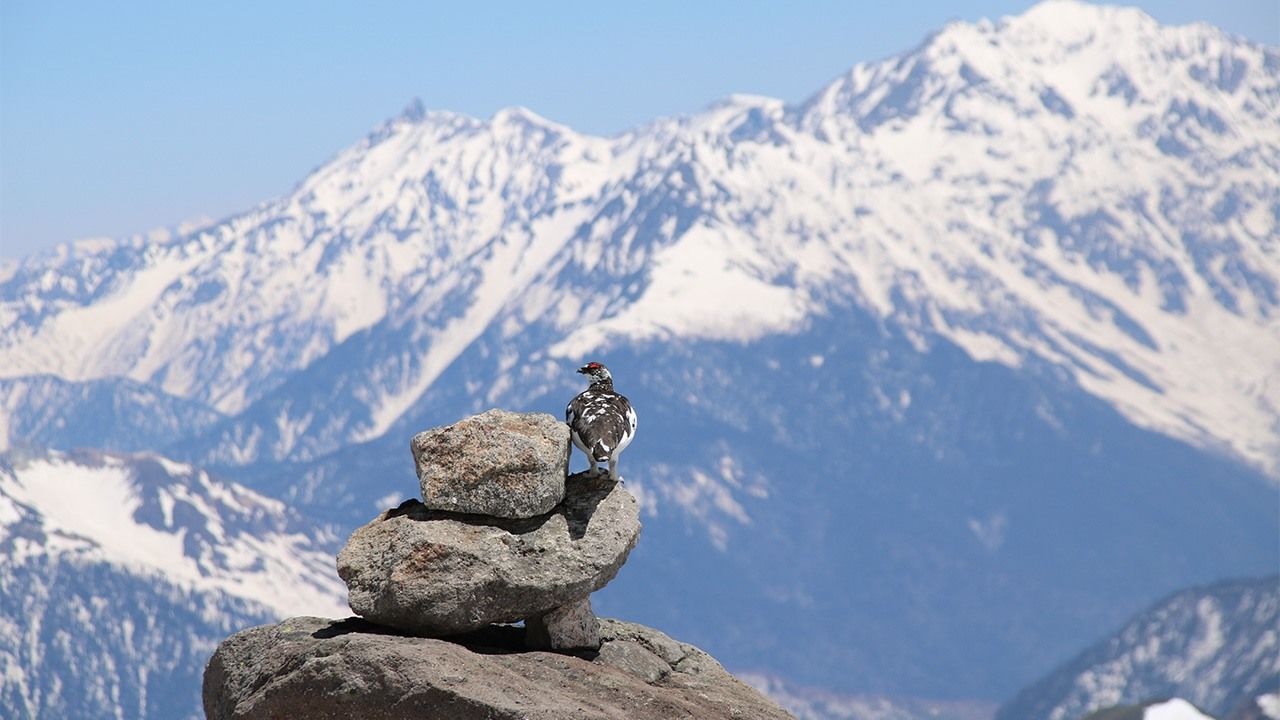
pixel 124 645
pixel 121 573
pixel 1217 647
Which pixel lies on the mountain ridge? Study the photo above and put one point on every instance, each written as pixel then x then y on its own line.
pixel 153 516
pixel 1214 645
pixel 394 240
pixel 122 572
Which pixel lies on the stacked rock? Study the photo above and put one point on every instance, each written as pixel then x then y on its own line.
pixel 501 535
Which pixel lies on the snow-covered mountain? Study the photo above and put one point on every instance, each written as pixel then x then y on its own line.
pixel 1077 184
pixel 121 573
pixel 966 357
pixel 1217 647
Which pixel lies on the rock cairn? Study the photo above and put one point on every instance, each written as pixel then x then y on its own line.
pixel 501 535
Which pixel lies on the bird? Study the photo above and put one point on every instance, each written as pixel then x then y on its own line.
pixel 601 422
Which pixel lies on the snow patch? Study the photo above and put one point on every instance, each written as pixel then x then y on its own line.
pixel 702 287
pixel 1175 709
pixel 1269 704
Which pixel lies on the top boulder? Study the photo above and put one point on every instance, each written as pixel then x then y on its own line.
pixel 498 463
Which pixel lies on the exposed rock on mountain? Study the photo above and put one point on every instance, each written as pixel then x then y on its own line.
pixel 120 573
pixel 1217 647
pixel 313 668
pixel 124 644
pixel 48 411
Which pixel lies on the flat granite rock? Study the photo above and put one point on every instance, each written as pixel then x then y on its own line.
pixel 317 669
pixel 499 463
pixel 429 572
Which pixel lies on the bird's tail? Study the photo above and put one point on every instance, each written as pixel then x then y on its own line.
pixel 599 452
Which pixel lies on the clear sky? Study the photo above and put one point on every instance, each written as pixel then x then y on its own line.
pixel 120 117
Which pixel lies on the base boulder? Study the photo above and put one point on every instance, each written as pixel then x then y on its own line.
pixel 312 669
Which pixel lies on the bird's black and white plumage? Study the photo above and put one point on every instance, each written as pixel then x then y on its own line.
pixel 601 422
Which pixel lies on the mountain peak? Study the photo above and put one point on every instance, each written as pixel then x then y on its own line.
pixel 1069 18
pixel 415 111
pixel 1052 25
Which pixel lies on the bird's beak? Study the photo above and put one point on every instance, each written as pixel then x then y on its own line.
pixel 582 370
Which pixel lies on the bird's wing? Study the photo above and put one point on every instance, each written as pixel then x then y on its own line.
pixel 628 412
pixel 573 411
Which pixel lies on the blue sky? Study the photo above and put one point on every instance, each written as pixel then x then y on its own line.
pixel 120 117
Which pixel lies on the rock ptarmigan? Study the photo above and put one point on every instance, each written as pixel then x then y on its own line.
pixel 601 422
